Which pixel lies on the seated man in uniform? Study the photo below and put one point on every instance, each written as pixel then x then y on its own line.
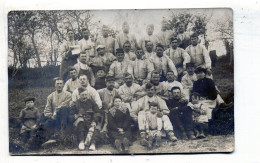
pixel 56 112
pixel 129 91
pixel 73 82
pixel 180 114
pixel 119 67
pixel 102 59
pixel 139 108
pixel 129 56
pixel 149 45
pixel 178 55
pixel 83 68
pixel 162 63
pixel 141 68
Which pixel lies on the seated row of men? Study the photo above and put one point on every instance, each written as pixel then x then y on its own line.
pixel 152 109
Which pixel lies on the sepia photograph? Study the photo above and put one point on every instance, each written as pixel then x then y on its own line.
pixel 105 82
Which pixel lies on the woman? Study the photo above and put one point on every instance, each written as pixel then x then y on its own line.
pixel 68 58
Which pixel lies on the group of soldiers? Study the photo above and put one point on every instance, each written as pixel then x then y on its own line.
pixel 124 90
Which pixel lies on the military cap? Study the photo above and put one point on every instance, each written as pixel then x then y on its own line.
pixel 100 47
pixel 29 99
pixel 200 69
pixel 119 50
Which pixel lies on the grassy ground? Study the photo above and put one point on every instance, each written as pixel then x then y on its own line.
pixel 223 77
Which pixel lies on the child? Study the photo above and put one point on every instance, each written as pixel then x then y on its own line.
pixel 199 115
pixel 119 125
pixel 100 78
pixel 87 118
pixel 29 118
pixel 153 126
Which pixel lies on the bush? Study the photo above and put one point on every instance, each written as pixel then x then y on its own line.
pixel 33 77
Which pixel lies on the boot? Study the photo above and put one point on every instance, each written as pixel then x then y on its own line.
pixel 171 136
pixel 150 143
pixel 184 135
pixel 158 142
pixel 126 144
pixel 118 145
pixel 143 140
pixel 201 135
pixel 191 135
pixel 82 145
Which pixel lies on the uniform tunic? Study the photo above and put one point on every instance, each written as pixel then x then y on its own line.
pixel 141 69
pixel 199 55
pixel 140 107
pixel 130 56
pixel 151 38
pixel 88 46
pixel 122 38
pixel 103 61
pixel 108 42
pixel 178 56
pixel 127 93
pixel 92 94
pixel 162 64
pixel 163 38
pixel 55 100
pixel 117 69
pixel 86 70
pixel 67 58
pixel 71 85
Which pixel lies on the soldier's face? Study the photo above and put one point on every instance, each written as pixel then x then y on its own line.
pixel 149 31
pixel 125 28
pixel 70 35
pixel 127 47
pixel 190 70
pixel 85 34
pixel 194 41
pixel 174 44
pixel 59 85
pixel 176 94
pixel 195 99
pixel 164 26
pixel 101 51
pixel 83 58
pixel 120 57
pixel 159 51
pixel 170 76
pixel 181 28
pixel 83 80
pixel 29 104
pixel 73 74
pixel 149 46
pixel 155 78
pixel 110 85
pixel 150 92
pixel 139 54
pixel 105 32
pixel 128 81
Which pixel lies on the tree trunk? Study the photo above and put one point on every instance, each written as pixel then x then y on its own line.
pixel 36 51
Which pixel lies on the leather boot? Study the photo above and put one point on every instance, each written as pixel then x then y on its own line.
pixel 143 140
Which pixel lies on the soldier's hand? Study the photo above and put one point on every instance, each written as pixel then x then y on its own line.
pixel 159 114
pixel 71 104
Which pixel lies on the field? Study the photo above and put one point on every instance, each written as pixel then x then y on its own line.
pixel 223 77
